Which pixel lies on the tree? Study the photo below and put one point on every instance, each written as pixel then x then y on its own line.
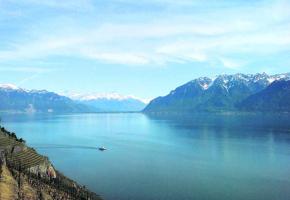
pixel 21 140
pixel 13 135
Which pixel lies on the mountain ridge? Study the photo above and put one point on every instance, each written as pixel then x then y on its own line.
pixel 276 97
pixel 222 93
pixel 110 102
pixel 17 99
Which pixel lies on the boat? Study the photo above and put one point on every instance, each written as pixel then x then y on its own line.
pixel 102 148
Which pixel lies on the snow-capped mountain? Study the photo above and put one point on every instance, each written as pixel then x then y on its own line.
pixel 95 96
pixel 251 80
pixel 222 92
pixel 16 99
pixel 109 102
pixel 8 86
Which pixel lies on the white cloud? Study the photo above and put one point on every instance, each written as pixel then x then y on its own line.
pixel 121 58
pixel 180 38
pixel 230 63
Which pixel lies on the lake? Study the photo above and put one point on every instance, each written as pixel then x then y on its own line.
pixel 205 156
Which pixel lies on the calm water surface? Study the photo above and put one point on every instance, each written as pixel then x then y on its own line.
pixel 210 157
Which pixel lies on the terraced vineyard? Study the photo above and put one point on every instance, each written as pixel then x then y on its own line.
pixel 7 142
pixel 26 157
pixel 41 180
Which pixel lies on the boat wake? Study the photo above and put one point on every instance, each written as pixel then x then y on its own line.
pixel 59 146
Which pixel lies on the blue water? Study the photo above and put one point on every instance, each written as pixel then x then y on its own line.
pixel 210 157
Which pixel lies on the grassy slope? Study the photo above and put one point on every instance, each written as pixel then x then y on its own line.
pixel 9 188
pixel 8 185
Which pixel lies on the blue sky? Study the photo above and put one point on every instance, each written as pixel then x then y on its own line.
pixel 143 48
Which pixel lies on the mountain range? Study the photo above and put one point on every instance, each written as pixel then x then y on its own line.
pixel 15 99
pixel 109 102
pixel 248 92
pixel 237 92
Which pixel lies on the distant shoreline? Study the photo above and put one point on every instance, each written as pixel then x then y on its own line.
pixel 20 112
pixel 151 112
